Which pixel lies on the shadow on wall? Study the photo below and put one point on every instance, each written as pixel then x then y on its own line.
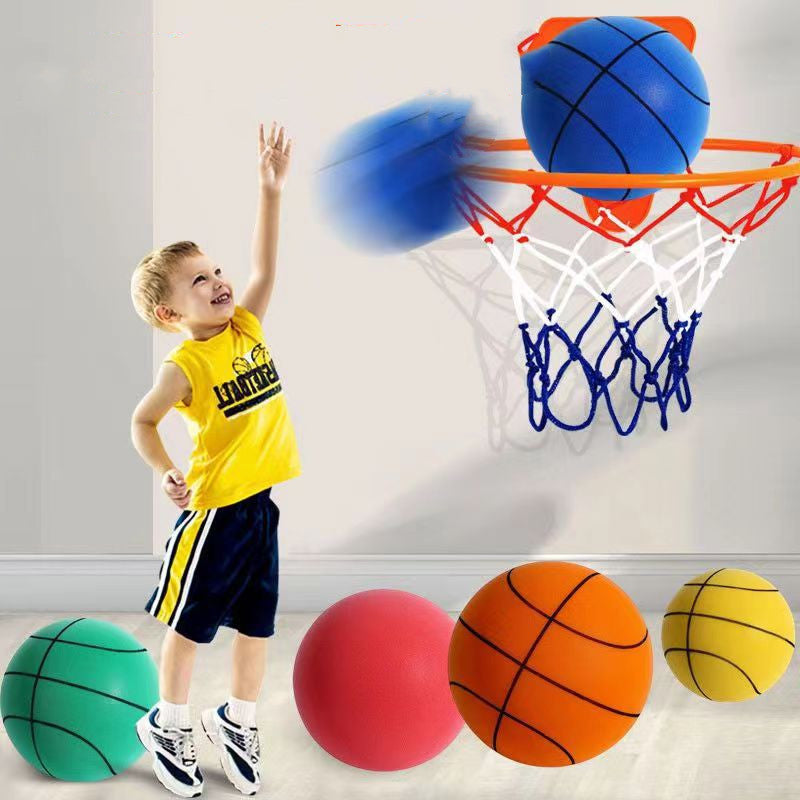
pixel 479 505
pixel 713 474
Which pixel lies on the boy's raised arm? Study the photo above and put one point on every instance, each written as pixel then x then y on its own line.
pixel 273 164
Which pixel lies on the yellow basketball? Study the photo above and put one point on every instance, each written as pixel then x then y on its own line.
pixel 728 635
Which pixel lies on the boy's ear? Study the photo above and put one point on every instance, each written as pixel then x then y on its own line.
pixel 166 315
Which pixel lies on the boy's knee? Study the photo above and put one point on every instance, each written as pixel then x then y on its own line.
pixel 180 639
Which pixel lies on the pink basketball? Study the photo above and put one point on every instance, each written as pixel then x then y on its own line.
pixel 371 682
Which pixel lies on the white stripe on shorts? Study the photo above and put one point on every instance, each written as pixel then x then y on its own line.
pixel 208 522
pixel 162 585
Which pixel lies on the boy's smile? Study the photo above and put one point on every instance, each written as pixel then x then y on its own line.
pixel 223 298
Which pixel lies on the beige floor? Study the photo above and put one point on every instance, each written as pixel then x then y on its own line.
pixel 681 747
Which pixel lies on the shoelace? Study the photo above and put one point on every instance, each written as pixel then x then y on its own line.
pixel 246 740
pixel 251 743
pixel 184 745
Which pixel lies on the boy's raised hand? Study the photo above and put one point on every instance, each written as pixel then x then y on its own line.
pixel 273 157
pixel 174 485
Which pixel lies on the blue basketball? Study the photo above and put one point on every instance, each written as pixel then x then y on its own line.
pixel 615 95
pixel 388 183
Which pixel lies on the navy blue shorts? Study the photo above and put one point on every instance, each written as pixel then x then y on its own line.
pixel 221 568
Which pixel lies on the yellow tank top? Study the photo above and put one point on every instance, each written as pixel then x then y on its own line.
pixel 237 416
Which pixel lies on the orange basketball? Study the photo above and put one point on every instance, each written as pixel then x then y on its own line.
pixel 550 664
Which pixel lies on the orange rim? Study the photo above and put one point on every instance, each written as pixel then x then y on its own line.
pixel 680 27
pixel 782 169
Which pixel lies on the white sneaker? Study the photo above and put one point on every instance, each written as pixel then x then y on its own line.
pixel 239 750
pixel 174 755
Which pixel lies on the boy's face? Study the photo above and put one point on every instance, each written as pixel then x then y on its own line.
pixel 201 295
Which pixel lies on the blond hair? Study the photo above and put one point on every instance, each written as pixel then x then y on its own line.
pixel 150 284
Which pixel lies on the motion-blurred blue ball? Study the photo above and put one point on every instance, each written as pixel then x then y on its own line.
pixel 388 183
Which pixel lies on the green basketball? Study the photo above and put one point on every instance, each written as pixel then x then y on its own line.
pixel 71 696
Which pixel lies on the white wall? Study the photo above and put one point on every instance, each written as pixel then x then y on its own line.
pixel 379 366
pixel 76 214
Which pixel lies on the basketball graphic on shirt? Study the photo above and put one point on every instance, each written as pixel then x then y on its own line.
pixel 259 355
pixel 242 366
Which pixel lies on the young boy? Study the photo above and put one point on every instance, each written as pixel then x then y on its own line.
pixel 221 562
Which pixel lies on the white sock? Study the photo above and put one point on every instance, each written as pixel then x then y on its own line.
pixel 173 715
pixel 242 711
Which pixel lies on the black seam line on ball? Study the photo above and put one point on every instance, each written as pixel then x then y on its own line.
pixel 688 627
pixel 728 586
pixel 94 646
pixel 532 649
pixel 377 145
pixel 65 730
pixel 568 627
pixel 578 111
pixel 35 685
pixel 592 83
pixel 545 677
pixel 663 66
pixel 631 92
pixel 80 686
pixel 517 720
pixel 712 655
pixel 732 621
pixel 383 143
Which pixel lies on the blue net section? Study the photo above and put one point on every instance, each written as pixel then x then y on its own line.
pixel 658 381
pixel 586 354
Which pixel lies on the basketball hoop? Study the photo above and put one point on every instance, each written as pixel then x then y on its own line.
pixel 609 304
pixel 638 284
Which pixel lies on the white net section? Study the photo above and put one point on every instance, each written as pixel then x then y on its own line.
pixel 624 280
pixel 607 322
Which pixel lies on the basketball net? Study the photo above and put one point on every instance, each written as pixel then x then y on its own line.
pixel 609 319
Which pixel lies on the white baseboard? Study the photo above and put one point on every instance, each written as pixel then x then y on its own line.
pixel 312 582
